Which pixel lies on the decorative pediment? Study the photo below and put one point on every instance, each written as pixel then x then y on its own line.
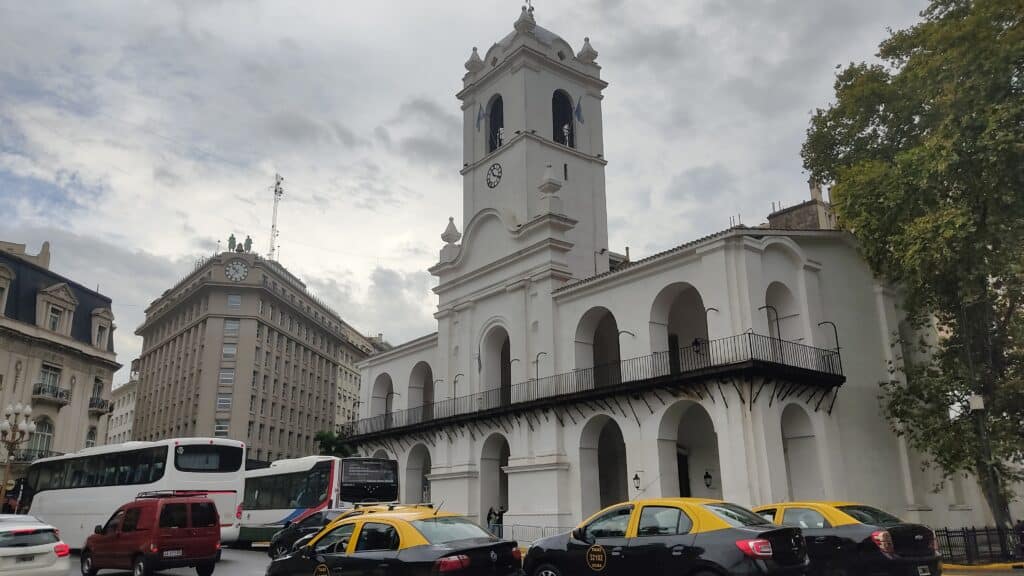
pixel 103 314
pixel 61 292
pixel 6 273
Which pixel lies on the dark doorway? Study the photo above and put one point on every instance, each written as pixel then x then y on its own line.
pixel 683 467
pixel 506 373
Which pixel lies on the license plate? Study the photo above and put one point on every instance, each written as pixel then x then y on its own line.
pixel 25 559
pixel 172 553
pixel 924 571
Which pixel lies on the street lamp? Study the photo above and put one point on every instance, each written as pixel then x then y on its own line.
pixel 708 480
pixel 15 430
pixel 636 481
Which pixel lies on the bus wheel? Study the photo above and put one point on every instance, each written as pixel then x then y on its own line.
pixel 87 568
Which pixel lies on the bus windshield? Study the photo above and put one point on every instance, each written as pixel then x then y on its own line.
pixel 369 480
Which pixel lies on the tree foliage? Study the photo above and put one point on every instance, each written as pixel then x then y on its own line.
pixel 925 153
pixel 332 444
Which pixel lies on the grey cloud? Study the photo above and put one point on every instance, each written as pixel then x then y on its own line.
pixel 702 182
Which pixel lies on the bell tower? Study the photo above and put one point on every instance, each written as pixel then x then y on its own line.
pixel 532 138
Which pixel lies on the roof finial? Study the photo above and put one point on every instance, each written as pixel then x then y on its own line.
pixel 525 23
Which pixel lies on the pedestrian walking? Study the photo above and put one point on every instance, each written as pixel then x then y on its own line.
pixel 501 522
pixel 492 521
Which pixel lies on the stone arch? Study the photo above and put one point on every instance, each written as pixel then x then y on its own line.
pixel 604 479
pixel 788 323
pixel 563 126
pixel 493 478
pixel 382 395
pixel 382 454
pixel 688 455
pixel 496 367
pixel 679 328
pixel 495 123
pixel 597 347
pixel 421 392
pixel 417 469
pixel 800 448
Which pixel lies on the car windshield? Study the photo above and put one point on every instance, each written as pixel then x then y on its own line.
pixel 735 516
pixel 870 515
pixel 448 529
pixel 24 537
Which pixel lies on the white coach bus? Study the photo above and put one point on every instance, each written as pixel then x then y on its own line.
pixel 76 492
pixel 294 489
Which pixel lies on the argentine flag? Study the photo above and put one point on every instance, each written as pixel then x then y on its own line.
pixel 579 110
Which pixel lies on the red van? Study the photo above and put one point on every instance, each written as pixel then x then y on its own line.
pixel 158 531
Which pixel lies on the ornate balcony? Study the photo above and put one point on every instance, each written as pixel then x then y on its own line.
pixel 100 406
pixel 51 393
pixel 28 456
pixel 813 371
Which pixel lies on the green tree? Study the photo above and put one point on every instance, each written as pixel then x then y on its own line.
pixel 332 444
pixel 925 153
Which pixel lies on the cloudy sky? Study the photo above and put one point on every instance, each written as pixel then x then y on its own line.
pixel 135 135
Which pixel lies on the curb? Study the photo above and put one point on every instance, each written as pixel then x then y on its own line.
pixel 984 567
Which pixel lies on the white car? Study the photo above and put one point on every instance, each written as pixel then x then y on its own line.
pixel 30 548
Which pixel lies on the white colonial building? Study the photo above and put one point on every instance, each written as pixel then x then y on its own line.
pixel 564 377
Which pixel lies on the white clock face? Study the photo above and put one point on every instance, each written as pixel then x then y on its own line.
pixel 236 270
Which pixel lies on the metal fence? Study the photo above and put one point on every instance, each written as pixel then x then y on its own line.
pixel 702 355
pixel 979 545
pixel 525 535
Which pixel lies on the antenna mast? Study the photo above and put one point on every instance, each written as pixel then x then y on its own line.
pixel 278 192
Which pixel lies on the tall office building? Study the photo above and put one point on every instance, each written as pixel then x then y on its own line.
pixel 239 348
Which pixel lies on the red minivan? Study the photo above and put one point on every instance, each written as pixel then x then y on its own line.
pixel 159 530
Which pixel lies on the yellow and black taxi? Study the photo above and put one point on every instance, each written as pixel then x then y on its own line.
pixel 846 538
pixel 303 530
pixel 671 536
pixel 410 542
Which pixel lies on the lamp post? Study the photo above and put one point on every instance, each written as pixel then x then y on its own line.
pixel 835 333
pixel 536 364
pixel 15 430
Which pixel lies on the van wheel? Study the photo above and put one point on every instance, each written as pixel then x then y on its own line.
pixel 547 570
pixel 87 567
pixel 204 569
pixel 140 567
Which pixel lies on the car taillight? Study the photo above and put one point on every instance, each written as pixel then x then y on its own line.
pixel 517 554
pixel 452 563
pixel 61 550
pixel 217 547
pixel 756 548
pixel 153 548
pixel 238 512
pixel 883 540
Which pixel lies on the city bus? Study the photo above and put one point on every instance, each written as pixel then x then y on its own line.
pixel 291 490
pixel 79 491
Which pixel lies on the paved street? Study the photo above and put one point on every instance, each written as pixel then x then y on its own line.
pixel 233 563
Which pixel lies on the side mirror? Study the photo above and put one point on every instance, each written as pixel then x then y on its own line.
pixel 577 534
pixel 98 529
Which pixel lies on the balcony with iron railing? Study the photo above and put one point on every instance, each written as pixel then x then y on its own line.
pixel 745 354
pixel 51 393
pixel 100 406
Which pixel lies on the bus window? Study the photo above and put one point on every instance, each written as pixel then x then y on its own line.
pixel 208 458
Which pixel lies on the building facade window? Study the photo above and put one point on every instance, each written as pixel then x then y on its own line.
pixel 41 440
pixel 221 428
pixel 90 438
pixel 101 336
pixel 229 352
pixel 234 301
pixel 97 388
pixel 231 326
pixel 49 375
pixel 224 401
pixel 54 318
pixel 227 376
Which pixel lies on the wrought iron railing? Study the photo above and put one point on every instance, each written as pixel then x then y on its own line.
pixel 100 405
pixel 980 545
pixel 26 456
pixel 704 355
pixel 51 392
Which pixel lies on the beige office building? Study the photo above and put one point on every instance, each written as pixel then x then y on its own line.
pixel 123 399
pixel 240 349
pixel 56 353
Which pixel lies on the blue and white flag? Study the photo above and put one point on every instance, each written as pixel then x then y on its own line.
pixel 579 110
pixel 479 117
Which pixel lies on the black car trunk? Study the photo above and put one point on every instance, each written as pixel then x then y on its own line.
pixel 911 540
pixel 788 547
pixel 486 557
